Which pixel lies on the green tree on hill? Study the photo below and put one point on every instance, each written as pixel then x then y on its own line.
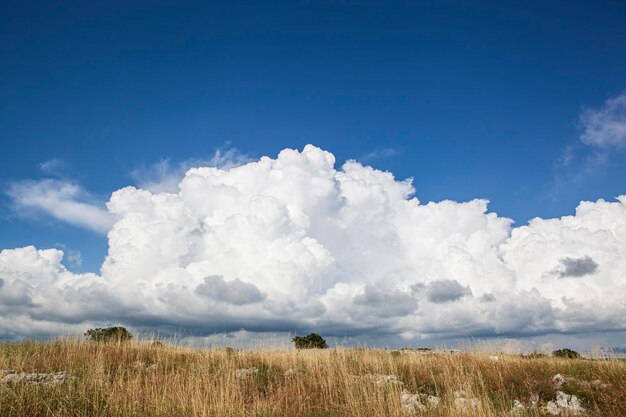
pixel 566 353
pixel 312 341
pixel 108 334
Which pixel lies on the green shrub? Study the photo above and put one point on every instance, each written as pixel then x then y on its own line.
pixel 312 341
pixel 534 355
pixel 108 334
pixel 566 353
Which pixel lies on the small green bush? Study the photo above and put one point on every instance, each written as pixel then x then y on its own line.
pixel 534 355
pixel 566 353
pixel 312 341
pixel 108 334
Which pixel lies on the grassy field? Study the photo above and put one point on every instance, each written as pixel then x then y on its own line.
pixel 141 379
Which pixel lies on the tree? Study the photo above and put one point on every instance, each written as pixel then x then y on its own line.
pixel 312 341
pixel 566 353
pixel 108 334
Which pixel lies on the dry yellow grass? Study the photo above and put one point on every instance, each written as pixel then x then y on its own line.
pixel 114 380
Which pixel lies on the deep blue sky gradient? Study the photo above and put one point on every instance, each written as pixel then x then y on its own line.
pixel 474 101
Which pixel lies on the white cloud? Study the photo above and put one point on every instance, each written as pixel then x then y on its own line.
pixel 52 166
pixel 378 154
pixel 605 127
pixel 604 131
pixel 72 257
pixel 294 244
pixel 62 200
pixel 164 176
pixel 566 157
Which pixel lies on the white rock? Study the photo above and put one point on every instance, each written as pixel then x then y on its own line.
pixel 386 380
pixel 598 384
pixel 558 381
pixel 462 402
pixel 245 373
pixel 380 379
pixel 467 404
pixel 518 407
pixel 13 378
pixel 534 399
pixel 413 403
pixel 460 394
pixel 565 405
pixel 433 401
pixel 52 378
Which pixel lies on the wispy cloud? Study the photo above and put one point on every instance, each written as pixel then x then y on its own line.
pixel 61 199
pixel 65 200
pixel 566 157
pixel 165 175
pixel 378 154
pixel 53 166
pixel 605 127
pixel 603 132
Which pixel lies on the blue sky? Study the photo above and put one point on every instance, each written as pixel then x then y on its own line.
pixel 470 101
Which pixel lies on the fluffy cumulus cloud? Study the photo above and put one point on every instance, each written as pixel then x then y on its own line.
pixel 295 243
